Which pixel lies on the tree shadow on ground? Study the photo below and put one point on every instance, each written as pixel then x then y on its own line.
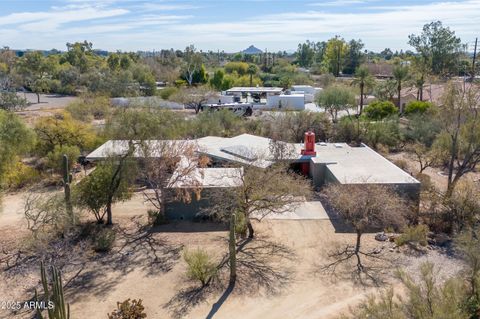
pixel 138 248
pixel 261 267
pixel 145 248
pixel 376 266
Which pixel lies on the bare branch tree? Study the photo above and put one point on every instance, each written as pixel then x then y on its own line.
pixel 425 157
pixel 194 98
pixel 261 192
pixel 460 136
pixel 171 164
pixel 363 207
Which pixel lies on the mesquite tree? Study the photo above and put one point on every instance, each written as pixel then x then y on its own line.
pixel 171 164
pixel 261 192
pixel 459 137
pixel 364 207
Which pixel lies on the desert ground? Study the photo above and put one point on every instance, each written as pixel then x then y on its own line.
pixel 279 271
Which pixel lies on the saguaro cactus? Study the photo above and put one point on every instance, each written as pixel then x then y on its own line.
pixel 233 250
pixel 53 296
pixel 66 186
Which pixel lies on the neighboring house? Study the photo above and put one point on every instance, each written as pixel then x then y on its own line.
pixel 380 70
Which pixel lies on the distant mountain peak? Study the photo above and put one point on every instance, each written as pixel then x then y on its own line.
pixel 252 50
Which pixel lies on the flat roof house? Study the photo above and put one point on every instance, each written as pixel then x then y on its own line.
pixel 324 162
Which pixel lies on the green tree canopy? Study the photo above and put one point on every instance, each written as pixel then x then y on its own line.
pixel 336 98
pixel 438 46
pixel 15 139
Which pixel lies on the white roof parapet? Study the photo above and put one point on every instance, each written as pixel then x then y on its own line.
pixel 254 89
pixel 121 147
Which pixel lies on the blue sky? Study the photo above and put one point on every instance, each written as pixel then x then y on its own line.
pixel 230 25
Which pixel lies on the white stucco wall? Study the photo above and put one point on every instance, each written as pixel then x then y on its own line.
pixel 294 101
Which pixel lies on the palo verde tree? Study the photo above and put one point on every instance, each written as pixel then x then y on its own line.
pixel 336 98
pixel 364 207
pixel 37 71
pixel 108 183
pixel 15 139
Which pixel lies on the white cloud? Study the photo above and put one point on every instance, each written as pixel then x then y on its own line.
pixel 110 27
pixel 166 7
pixel 339 3
pixel 48 21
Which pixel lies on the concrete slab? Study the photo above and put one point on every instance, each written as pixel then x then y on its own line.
pixel 309 210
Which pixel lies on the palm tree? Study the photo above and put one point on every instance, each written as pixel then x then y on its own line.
pixel 252 70
pixel 400 74
pixel 363 79
pixel 421 69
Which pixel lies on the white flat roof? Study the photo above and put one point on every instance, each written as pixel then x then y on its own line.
pixel 120 147
pixel 253 89
pixel 359 165
pixel 349 165
pixel 230 149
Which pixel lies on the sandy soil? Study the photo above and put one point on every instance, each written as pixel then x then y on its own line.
pixel 437 176
pixel 282 280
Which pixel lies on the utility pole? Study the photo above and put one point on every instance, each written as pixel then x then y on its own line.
pixel 474 58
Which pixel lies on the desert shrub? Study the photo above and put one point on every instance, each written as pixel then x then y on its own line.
pixel 383 132
pixel 401 164
pixel 417 107
pixel 55 157
pixel 156 218
pixel 200 266
pixel 103 240
pixel 89 108
pixel 165 93
pixel 425 180
pixel 463 205
pixel 346 131
pixel 379 110
pixel 413 235
pixel 128 310
pixel 422 128
pixel 45 215
pixel 424 296
pixel 10 101
pixel 21 175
